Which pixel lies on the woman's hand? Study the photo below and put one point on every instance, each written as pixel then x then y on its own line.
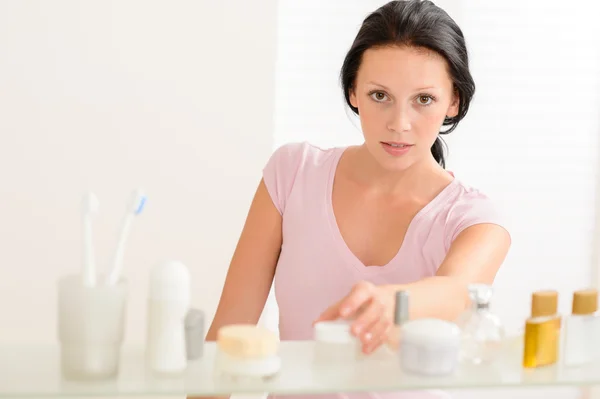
pixel 372 309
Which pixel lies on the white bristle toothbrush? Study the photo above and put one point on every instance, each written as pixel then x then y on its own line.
pixel 90 205
pixel 134 208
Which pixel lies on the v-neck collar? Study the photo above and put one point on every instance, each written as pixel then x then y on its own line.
pixel 340 243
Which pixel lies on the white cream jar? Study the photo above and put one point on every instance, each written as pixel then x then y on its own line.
pixel 334 342
pixel 429 347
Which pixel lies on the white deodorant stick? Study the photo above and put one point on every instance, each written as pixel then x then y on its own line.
pixel 168 305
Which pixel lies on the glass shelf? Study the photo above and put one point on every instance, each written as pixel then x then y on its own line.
pixel 34 372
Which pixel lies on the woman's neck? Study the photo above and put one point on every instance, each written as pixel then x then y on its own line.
pixel 424 178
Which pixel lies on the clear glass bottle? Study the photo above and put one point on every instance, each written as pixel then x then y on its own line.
pixel 482 333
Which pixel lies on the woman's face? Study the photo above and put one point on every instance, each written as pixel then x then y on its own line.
pixel 403 95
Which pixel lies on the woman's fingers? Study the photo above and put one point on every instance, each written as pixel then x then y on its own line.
pixel 361 293
pixel 371 307
pixel 372 325
pixel 331 313
pixel 377 335
pixel 352 303
pixel 370 315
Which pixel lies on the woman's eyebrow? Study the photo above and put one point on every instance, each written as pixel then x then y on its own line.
pixel 428 87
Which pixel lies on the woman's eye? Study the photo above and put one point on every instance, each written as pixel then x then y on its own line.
pixel 379 96
pixel 425 100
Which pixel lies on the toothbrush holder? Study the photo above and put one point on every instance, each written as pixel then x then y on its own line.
pixel 91 328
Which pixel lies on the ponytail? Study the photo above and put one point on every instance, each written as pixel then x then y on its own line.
pixel 437 150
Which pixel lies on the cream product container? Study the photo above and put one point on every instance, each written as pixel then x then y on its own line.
pixel 168 305
pixel 334 342
pixel 429 347
pixel 194 334
pixel 90 328
pixel 247 351
pixel 582 329
pixel 542 330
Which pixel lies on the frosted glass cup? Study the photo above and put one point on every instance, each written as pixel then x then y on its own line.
pixel 90 328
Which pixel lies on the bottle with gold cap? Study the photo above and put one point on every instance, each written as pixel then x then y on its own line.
pixel 542 331
pixel 581 329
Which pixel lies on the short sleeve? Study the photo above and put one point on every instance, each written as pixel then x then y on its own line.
pixel 280 172
pixel 470 209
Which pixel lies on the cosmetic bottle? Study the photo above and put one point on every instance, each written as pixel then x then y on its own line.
pixel 482 332
pixel 542 331
pixel 581 329
pixel 194 334
pixel 168 305
pixel 401 316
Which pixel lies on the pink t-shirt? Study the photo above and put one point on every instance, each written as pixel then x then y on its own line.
pixel 316 268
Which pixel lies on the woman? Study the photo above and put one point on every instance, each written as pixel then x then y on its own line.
pixel 340 230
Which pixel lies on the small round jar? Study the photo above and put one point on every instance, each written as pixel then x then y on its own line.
pixel 334 342
pixel 429 347
pixel 247 351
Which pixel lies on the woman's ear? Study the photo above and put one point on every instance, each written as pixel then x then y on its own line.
pixel 352 96
pixel 454 105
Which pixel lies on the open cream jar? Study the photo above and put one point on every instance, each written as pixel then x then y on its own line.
pixel 429 346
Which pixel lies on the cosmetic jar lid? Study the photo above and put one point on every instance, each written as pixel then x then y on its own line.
pixel 170 281
pixel 430 331
pixel 247 341
pixel 335 331
pixel 585 302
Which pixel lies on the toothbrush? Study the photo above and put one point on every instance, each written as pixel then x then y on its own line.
pixel 134 208
pixel 90 207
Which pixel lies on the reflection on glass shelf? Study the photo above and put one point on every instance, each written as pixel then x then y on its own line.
pixel 35 371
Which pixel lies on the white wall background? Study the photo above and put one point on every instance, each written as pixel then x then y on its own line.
pixel 530 139
pixel 176 97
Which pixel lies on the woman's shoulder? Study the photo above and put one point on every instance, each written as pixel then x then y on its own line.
pixel 291 160
pixel 467 205
pixel 303 152
pixel 466 195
